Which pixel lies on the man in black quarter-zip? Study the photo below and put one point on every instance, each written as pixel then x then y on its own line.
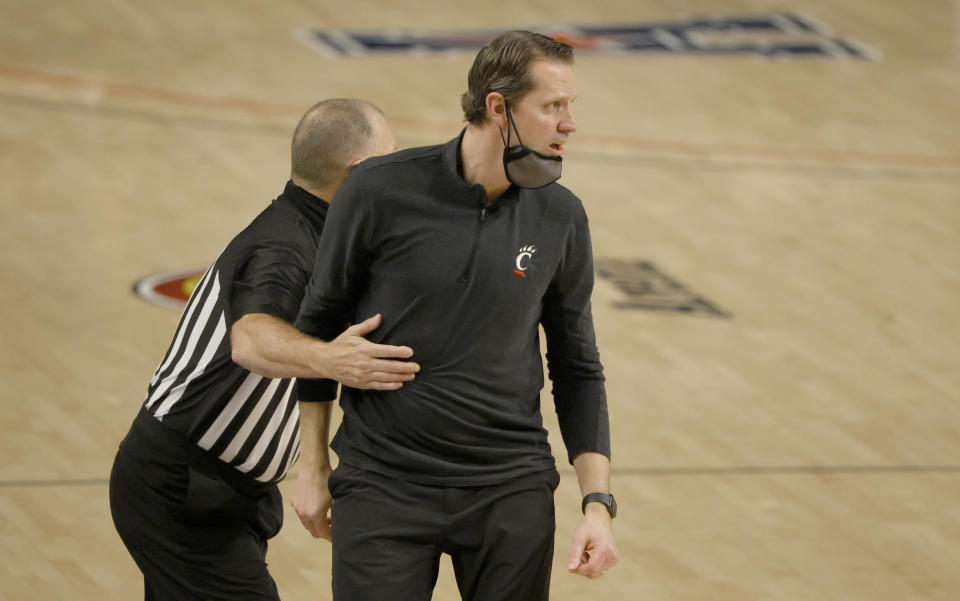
pixel 466 248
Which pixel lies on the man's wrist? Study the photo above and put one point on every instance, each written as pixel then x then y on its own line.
pixel 319 358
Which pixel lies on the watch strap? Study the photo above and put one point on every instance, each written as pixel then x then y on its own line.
pixel 600 497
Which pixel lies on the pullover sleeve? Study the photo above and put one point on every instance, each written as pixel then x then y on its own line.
pixel 341 267
pixel 573 361
pixel 316 390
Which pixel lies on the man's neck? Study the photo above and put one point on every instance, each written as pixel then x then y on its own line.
pixel 481 154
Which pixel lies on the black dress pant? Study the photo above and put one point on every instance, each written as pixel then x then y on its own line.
pixel 388 536
pixel 195 529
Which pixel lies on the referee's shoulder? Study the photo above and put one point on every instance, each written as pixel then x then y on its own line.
pixel 280 223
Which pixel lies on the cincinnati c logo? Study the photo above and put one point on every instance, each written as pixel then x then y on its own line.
pixel 524 257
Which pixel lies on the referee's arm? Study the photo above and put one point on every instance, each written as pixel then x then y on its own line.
pixel 273 348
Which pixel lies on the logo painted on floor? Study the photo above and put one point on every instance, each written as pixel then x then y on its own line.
pixel 770 35
pixel 646 287
pixel 169 289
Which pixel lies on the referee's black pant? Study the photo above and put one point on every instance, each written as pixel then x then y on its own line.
pixel 196 527
pixel 388 536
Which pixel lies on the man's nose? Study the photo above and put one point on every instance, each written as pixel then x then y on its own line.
pixel 568 124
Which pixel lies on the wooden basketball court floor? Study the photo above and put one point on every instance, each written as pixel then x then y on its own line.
pixel 800 442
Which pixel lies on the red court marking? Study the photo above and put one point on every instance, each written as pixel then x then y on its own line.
pixel 71 81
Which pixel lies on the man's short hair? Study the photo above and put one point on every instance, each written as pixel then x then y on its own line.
pixel 329 136
pixel 503 66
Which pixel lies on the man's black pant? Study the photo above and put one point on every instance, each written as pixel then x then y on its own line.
pixel 196 527
pixel 388 536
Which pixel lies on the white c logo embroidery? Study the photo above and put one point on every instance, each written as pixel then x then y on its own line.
pixel 525 252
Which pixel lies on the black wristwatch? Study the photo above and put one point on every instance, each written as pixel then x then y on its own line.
pixel 600 497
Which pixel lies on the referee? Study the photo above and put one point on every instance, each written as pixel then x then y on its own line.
pixel 193 488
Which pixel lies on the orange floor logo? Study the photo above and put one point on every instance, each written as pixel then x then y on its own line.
pixel 169 288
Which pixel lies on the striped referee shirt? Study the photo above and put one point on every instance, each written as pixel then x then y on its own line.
pixel 246 420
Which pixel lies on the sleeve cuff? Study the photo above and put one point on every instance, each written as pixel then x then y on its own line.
pixel 582 412
pixel 316 391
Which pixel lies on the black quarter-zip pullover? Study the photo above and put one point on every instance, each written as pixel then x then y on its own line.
pixel 466 286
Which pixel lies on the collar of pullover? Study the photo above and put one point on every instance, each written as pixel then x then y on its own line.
pixel 452 162
pixel 451 156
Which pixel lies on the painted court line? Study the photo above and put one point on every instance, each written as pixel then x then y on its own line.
pixel 800 470
pixel 660 147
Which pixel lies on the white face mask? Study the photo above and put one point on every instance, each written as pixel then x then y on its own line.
pixel 526 167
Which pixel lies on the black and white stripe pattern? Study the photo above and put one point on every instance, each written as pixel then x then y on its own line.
pixel 247 420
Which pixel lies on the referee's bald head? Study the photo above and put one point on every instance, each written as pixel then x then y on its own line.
pixel 332 136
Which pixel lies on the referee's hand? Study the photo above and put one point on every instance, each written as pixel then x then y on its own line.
pixel 356 362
